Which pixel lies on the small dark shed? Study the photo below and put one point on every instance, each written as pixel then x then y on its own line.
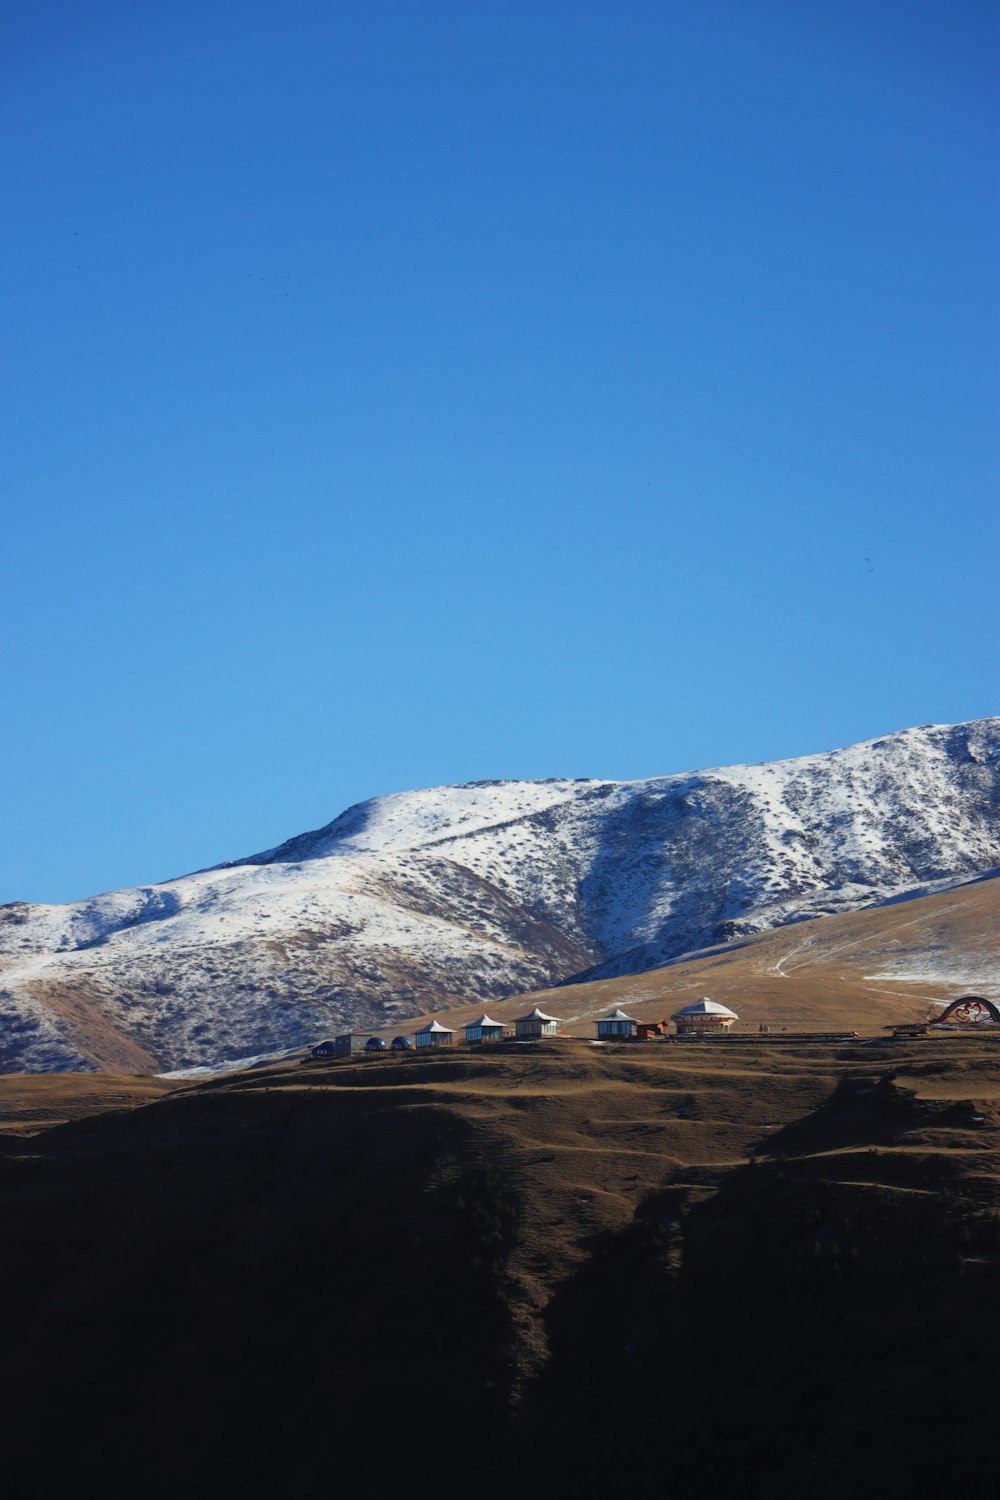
pixel 350 1041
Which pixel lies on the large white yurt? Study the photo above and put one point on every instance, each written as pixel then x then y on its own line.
pixel 704 1015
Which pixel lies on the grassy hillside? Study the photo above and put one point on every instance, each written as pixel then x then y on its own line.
pixel 33 1102
pixel 856 971
pixel 758 1270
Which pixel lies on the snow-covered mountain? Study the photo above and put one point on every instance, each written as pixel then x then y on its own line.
pixel 423 899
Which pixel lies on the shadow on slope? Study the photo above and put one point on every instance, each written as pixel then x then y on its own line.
pixel 698 839
pixel 306 1289
pixel 255 1296
pixel 809 1328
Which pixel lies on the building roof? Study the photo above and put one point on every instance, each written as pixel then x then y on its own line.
pixel 704 1007
pixel 434 1027
pixel 484 1020
pixel 617 1015
pixel 537 1015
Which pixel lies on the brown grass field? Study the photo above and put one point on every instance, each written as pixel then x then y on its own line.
pixel 32 1102
pixel 762 1270
pixel 860 970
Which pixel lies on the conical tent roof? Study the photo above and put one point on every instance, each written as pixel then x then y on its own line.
pixel 433 1027
pixel 484 1020
pixel 617 1015
pixel 537 1015
pixel 705 1007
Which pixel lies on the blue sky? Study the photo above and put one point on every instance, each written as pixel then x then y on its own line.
pixel 401 394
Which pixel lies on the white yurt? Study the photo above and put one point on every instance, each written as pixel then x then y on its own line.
pixel 704 1015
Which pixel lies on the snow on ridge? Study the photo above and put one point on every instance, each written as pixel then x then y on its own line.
pixel 414 820
pixel 232 1065
pixel 417 819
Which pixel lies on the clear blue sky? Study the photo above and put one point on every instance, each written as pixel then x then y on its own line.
pixel 401 393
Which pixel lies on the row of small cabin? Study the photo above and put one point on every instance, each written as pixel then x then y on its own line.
pixel 702 1016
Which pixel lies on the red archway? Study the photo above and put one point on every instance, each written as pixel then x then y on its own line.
pixel 970 1010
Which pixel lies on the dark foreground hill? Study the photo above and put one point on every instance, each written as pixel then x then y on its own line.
pixel 735 1269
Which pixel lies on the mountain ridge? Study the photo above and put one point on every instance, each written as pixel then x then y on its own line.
pixel 422 900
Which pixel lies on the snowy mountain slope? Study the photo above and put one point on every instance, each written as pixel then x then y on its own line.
pixel 227 962
pixel 424 899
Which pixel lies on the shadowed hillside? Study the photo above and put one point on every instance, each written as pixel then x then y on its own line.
pixel 537 1267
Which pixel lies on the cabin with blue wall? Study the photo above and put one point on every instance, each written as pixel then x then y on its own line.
pixel 484 1030
pixel 616 1026
pixel 434 1035
pixel 535 1024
